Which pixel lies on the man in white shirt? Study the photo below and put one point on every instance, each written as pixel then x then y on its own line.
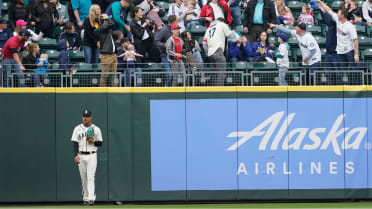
pixel 86 137
pixel 311 54
pixel 178 9
pixel 214 44
pixel 347 38
pixel 367 11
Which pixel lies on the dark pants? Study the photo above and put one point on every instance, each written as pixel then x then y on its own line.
pixel 149 46
pixel 347 62
pixel 219 61
pixel 308 70
pixel 331 60
pixel 254 32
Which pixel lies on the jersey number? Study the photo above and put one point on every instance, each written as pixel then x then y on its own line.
pixel 211 32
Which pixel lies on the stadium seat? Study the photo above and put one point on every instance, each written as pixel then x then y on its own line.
pixel 360 4
pixel 367 55
pixel 336 4
pixel 163 4
pixel 4 7
pixel 6 17
pixel 295 6
pixel 164 18
pixel 76 56
pixel 242 66
pixel 150 66
pixel 47 43
pixel 315 30
pixel 57 32
pixel 81 66
pixel 273 40
pixel 321 41
pixel 292 41
pixel 297 55
pixel 361 30
pixel 264 66
pixel 52 54
pixel 198 30
pixel 364 42
pixel 239 28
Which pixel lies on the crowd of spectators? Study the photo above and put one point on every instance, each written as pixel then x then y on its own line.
pixel 123 33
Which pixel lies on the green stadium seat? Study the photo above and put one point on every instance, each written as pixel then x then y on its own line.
pixel 163 4
pixel 4 7
pixel 361 30
pixel 295 6
pixel 297 55
pixel 6 17
pixel 264 66
pixel 150 66
pixel 81 66
pixel 239 28
pixel 364 42
pixel 164 18
pixel 336 4
pixel 57 32
pixel 292 41
pixel 239 66
pixel 48 43
pixel 369 31
pixel 52 54
pixel 367 55
pixel 321 41
pixel 273 40
pixel 198 30
pixel 76 55
pixel 315 30
pixel 360 4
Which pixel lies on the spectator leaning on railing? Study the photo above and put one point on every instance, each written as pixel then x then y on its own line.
pixel 174 52
pixel 107 51
pixel 161 38
pixel 214 44
pixel 12 60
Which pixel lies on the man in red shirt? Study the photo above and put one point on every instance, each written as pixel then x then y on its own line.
pixel 175 57
pixel 12 53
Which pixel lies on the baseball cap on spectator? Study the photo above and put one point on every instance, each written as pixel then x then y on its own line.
pixel 87 113
pixel 175 26
pixel 301 25
pixel 21 22
pixel 3 21
pixel 24 32
pixel 283 36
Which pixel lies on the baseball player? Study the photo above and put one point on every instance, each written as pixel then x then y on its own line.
pixel 86 137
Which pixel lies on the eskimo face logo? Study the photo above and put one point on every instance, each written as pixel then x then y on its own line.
pixel 293 140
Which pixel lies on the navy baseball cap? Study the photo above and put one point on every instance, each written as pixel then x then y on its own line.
pixel 87 113
pixel 24 32
pixel 283 36
pixel 301 25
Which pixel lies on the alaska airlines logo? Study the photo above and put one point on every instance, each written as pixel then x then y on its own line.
pixel 294 139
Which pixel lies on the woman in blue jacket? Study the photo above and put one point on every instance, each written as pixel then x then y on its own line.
pixel 261 48
pixel 240 50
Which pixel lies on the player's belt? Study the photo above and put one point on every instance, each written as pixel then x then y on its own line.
pixel 87 153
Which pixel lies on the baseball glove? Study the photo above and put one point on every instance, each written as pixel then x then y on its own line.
pixel 90 135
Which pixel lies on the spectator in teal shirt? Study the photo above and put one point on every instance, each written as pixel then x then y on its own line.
pixel 81 10
pixel 119 11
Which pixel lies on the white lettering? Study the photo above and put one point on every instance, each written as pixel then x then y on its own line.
pixel 256 168
pixel 355 145
pixel 285 170
pixel 349 167
pixel 332 167
pixel 333 134
pixel 300 168
pixel 283 128
pixel 242 169
pixel 315 138
pixel 297 143
pixel 270 168
pixel 314 167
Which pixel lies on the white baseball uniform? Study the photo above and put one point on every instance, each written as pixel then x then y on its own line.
pixel 88 159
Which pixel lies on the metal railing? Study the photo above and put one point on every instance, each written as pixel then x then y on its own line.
pixel 158 75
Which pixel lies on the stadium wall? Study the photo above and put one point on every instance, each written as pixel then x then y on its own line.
pixel 176 144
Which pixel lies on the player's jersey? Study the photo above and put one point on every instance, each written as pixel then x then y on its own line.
pixel 215 36
pixel 79 135
pixel 307 43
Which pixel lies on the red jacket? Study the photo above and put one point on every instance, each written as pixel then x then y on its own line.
pixel 207 11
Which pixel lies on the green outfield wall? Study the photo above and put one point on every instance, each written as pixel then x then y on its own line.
pixel 36 159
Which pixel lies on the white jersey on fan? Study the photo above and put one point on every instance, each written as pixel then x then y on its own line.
pixel 79 135
pixel 215 36
pixel 307 42
pixel 346 33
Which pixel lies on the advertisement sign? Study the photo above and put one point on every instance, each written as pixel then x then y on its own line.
pixel 253 144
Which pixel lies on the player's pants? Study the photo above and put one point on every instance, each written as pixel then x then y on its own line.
pixel 87 168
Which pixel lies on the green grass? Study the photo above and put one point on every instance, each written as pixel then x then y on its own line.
pixel 212 206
